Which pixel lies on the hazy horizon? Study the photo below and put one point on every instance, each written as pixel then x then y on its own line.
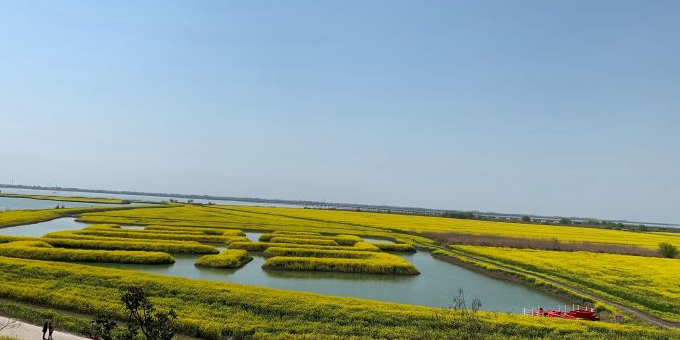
pixel 561 108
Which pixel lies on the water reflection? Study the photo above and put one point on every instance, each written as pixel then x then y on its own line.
pixel 435 286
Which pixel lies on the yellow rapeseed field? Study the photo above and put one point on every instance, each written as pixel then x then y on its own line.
pixel 408 223
pixel 647 283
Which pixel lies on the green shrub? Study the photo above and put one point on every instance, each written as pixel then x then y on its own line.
pixel 667 250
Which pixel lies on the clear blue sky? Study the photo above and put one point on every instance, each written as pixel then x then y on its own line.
pixel 546 107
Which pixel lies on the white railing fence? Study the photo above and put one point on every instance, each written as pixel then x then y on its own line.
pixel 560 308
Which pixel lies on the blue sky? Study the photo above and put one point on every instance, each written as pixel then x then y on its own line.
pixel 547 107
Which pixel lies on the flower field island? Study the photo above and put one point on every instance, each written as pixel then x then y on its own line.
pixel 230 258
pixel 221 269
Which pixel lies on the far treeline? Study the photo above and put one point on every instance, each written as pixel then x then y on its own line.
pixel 470 215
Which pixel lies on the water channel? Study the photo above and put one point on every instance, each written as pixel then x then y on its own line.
pixel 437 284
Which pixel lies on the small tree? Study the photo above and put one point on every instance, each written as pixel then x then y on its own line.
pixel 142 317
pixel 667 250
pixel 526 218
pixel 104 326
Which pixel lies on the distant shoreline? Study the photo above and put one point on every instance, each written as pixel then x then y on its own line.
pixel 316 204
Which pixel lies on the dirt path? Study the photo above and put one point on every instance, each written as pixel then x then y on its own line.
pixel 25 331
pixel 636 313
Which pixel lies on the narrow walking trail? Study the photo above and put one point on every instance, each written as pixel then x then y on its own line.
pixel 25 331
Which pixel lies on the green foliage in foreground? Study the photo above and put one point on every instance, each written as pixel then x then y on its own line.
pixel 39 250
pixel 230 258
pixel 144 320
pixel 216 310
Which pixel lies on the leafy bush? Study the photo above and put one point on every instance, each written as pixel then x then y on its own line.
pixel 668 250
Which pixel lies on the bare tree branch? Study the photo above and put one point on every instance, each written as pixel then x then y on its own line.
pixel 6 323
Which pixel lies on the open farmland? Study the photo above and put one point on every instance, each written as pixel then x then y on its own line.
pixel 650 284
pixel 297 240
pixel 213 310
pixel 389 225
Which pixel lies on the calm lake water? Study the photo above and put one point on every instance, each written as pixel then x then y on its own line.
pixel 437 284
pixel 16 203
pixel 42 228
pixel 128 197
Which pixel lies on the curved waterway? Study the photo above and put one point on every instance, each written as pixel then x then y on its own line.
pixel 437 284
pixel 42 228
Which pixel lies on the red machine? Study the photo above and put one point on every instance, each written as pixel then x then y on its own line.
pixel 575 312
